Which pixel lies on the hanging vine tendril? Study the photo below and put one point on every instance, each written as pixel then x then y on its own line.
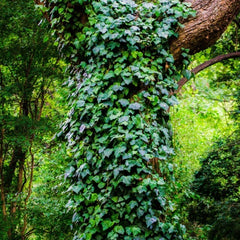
pixel 117 131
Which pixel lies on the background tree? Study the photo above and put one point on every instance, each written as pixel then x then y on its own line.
pixel 29 67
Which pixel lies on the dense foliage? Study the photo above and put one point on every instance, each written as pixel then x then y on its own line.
pixel 216 183
pixel 117 130
pixel 29 72
pixel 123 180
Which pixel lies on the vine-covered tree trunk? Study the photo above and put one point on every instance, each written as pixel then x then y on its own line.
pixel 117 131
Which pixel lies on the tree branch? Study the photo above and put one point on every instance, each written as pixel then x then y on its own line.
pixel 205 65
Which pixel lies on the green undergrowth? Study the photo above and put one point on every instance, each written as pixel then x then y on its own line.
pixel 197 123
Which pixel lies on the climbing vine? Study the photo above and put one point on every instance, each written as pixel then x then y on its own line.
pixel 117 129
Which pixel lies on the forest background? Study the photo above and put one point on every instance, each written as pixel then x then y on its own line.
pixel 33 163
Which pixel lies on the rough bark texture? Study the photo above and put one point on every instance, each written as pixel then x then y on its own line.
pixel 202 31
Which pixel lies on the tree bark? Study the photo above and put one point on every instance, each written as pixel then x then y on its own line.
pixel 202 31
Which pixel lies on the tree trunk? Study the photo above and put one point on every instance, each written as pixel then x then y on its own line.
pixel 202 31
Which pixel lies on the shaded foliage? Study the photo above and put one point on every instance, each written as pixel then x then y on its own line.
pixel 29 67
pixel 217 185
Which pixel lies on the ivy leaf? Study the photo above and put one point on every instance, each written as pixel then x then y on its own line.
pixel 151 220
pixel 164 106
pixel 77 188
pixel 163 34
pixel 129 17
pixel 109 75
pixel 115 114
pixel 123 119
pixel 80 103
pixel 170 59
pixel 164 52
pixel 77 44
pixel 187 74
pixel 106 224
pixel 119 229
pixel 119 150
pixel 117 88
pixel 84 173
pixel 117 71
pixel 101 185
pixel 123 102
pixel 140 212
pixel 126 179
pixel 135 106
pixel 103 139
pixel 81 37
pixel 75 217
pixel 96 179
pixel 89 155
pixel 108 152
pixel 134 54
pixel 69 172
pixel 133 230
pixel 98 49
pixel 133 204
pixel 93 197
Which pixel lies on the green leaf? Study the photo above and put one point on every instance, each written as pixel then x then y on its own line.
pixel 119 229
pixel 77 188
pixel 151 220
pixel 123 102
pixel 94 197
pixel 80 103
pixel 187 74
pixel 135 106
pixel 106 224
pixel 89 155
pixel 118 71
pixel 134 54
pixel 123 119
pixel 126 180
pixel 115 199
pixel 133 204
pixel 108 152
pixel 119 151
pixel 98 49
pixel 101 185
pixel 164 52
pixel 102 139
pixel 109 75
pixel 133 230
pixel 170 59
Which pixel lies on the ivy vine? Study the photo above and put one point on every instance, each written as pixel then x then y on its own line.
pixel 118 133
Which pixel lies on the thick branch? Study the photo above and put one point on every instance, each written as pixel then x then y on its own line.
pixel 207 64
pixel 202 31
